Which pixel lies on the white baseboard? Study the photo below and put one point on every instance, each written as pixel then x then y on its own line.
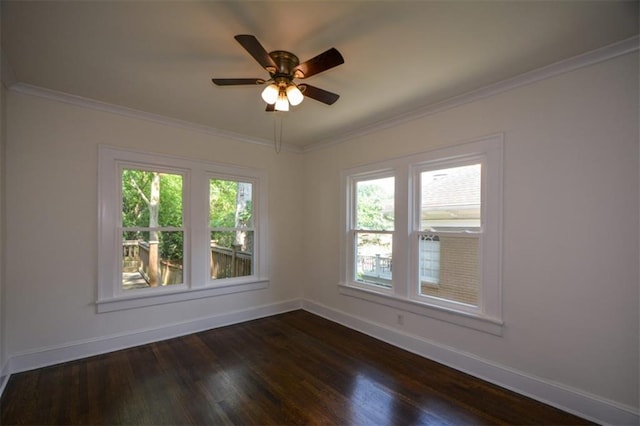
pixel 557 395
pixel 44 357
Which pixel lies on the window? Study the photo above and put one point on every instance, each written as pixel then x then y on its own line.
pixel 373 230
pixel 447 264
pixel 231 227
pixel 175 229
pixel 152 228
pixel 448 228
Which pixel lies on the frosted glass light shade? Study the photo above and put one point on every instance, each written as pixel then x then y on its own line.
pixel 282 104
pixel 294 94
pixel 270 94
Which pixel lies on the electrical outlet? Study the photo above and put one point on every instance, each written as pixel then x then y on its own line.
pixel 400 319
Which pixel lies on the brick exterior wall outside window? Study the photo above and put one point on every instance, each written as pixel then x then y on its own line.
pixel 459 272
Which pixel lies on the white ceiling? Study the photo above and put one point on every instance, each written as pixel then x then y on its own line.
pixel 159 56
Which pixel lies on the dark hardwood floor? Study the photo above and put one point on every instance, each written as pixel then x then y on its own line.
pixel 294 368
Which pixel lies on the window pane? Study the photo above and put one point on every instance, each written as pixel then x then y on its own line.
pixel 151 199
pixel 458 270
pixel 375 204
pixel 451 197
pixel 230 204
pixel 429 259
pixel 151 259
pixel 231 254
pixel 373 258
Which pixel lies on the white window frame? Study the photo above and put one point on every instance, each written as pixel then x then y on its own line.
pixel 354 230
pixel 196 265
pixel 416 209
pixel 255 260
pixel 404 295
pixel 122 165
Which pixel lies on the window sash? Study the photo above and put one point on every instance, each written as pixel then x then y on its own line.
pixel 382 278
pixel 373 268
pixel 227 267
pixel 451 299
pixel 460 284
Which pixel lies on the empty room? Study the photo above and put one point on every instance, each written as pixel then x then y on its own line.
pixel 319 212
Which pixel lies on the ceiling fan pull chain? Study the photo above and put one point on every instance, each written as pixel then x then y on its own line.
pixel 277 137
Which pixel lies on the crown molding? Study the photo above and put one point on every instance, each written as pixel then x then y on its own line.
pixel 80 101
pixel 593 57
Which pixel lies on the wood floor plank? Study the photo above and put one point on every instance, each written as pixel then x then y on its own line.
pixel 294 368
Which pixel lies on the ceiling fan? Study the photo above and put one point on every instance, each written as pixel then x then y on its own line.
pixel 283 67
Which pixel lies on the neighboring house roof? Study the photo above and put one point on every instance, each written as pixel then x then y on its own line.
pixel 451 197
pixel 457 186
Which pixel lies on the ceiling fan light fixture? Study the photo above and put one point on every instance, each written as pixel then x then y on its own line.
pixel 283 67
pixel 282 104
pixel 270 94
pixel 294 94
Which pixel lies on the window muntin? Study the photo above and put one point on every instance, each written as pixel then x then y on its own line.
pixel 459 274
pixel 373 230
pixel 231 228
pixel 152 228
pixel 374 258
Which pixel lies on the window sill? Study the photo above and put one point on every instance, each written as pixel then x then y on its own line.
pixel 465 319
pixel 165 295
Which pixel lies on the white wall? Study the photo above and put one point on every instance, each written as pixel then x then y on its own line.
pixel 570 265
pixel 3 138
pixel 51 209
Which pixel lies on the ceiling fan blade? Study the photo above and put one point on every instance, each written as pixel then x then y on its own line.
pixel 270 107
pixel 318 94
pixel 255 49
pixel 324 61
pixel 237 81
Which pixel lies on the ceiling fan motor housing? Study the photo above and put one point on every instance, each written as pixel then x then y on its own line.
pixel 286 62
